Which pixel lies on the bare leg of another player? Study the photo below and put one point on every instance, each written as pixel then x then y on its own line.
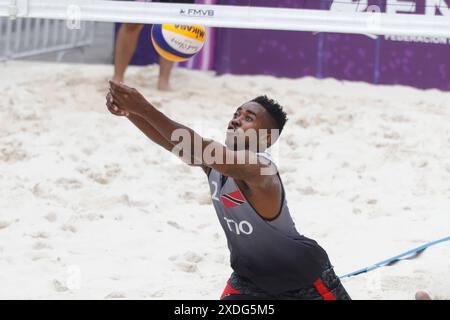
pixel 165 69
pixel 126 42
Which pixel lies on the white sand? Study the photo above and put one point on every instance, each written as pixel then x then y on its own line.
pixel 84 195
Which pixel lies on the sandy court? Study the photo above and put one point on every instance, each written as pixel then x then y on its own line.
pixel 90 208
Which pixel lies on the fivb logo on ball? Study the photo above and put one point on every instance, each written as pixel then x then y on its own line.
pixel 182 34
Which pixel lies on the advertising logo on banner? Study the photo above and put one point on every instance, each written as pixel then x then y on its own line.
pixel 423 7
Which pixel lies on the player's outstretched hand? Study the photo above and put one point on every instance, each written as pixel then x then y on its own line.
pixel 128 99
pixel 113 108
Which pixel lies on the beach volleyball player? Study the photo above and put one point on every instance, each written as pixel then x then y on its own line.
pixel 126 42
pixel 270 259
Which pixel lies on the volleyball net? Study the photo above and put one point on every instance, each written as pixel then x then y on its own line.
pixel 371 21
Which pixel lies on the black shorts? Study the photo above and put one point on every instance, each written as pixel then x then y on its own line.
pixel 327 287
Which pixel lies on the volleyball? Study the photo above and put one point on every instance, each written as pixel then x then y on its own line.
pixel 178 42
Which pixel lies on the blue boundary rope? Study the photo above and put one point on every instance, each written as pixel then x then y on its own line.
pixel 414 252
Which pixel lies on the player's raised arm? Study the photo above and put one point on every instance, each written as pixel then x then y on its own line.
pixel 237 159
pixel 140 123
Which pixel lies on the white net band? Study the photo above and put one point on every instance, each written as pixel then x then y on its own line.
pixel 231 17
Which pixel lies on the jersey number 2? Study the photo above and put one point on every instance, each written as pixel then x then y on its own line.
pixel 216 188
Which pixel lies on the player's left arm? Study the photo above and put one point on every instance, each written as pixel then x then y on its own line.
pixel 243 165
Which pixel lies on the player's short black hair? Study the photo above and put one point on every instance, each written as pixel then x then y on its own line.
pixel 274 109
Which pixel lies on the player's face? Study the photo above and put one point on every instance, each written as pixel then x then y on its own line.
pixel 245 123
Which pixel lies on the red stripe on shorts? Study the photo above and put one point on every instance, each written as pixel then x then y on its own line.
pixel 324 292
pixel 229 290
